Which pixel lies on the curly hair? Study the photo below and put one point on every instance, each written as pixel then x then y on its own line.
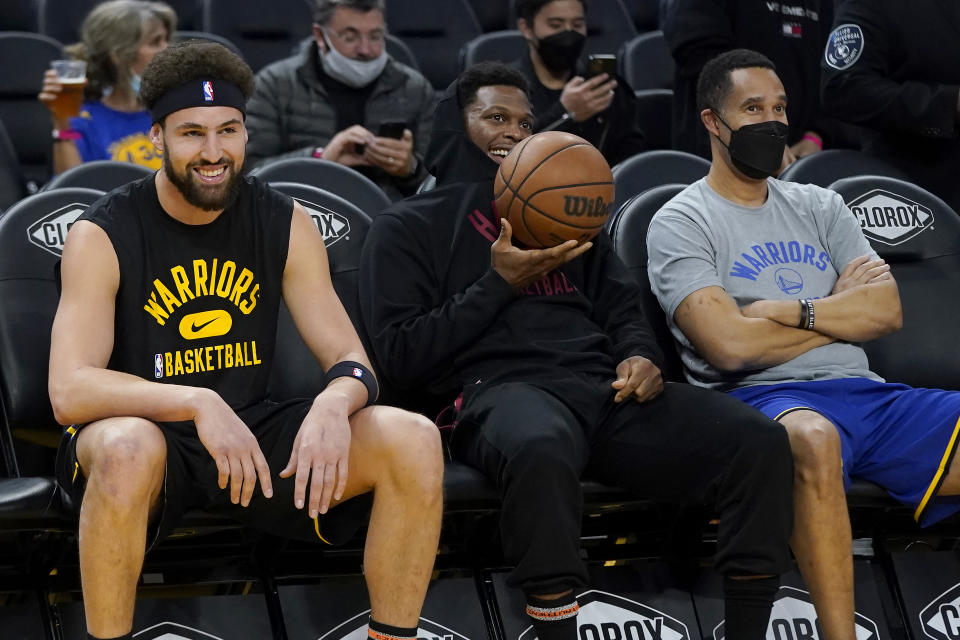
pixel 110 36
pixel 485 74
pixel 180 63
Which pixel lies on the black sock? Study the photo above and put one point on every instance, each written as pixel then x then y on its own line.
pixel 379 631
pixel 554 619
pixel 126 636
pixel 747 605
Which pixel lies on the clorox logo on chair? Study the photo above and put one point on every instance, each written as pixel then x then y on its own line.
pixel 332 225
pixel 940 619
pixel 606 616
pixel 356 629
pixel 889 218
pixel 50 232
pixel 173 631
pixel 794 618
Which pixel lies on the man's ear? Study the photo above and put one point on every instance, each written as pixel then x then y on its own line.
pixel 318 37
pixel 156 137
pixel 710 121
pixel 525 29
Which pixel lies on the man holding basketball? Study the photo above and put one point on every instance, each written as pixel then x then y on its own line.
pixel 558 373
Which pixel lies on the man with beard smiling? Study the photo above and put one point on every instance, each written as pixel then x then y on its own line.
pixel 601 109
pixel 161 351
pixel 558 373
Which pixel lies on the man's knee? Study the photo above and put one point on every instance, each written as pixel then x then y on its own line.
pixel 125 456
pixel 816 447
pixel 415 452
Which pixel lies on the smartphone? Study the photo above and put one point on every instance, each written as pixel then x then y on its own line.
pixel 598 63
pixel 391 130
pixel 387 130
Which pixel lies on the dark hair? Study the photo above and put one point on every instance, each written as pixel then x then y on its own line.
pixel 485 74
pixel 714 84
pixel 527 9
pixel 323 9
pixel 180 63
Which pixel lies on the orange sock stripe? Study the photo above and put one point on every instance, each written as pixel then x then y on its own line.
pixel 555 613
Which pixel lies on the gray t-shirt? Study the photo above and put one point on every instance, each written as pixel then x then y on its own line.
pixel 793 246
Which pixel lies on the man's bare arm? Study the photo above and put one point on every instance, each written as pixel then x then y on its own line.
pixel 864 305
pixel 730 341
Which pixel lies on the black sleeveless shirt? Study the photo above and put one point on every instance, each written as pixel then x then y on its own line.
pixel 197 304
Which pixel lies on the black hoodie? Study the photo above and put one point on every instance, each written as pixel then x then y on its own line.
pixel 438 315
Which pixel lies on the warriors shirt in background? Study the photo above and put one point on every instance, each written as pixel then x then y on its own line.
pixel 197 304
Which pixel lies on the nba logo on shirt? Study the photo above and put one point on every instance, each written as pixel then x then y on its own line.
pixel 207 91
pixel 357 373
pixel 158 365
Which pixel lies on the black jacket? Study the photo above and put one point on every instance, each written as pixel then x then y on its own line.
pixel 617 132
pixel 902 83
pixel 440 317
pixel 791 33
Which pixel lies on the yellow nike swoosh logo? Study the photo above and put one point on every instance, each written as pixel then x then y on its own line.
pixel 206 324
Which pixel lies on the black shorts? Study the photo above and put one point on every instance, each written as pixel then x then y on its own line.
pixel 191 475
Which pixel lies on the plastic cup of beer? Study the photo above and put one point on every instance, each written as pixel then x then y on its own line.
pixel 72 76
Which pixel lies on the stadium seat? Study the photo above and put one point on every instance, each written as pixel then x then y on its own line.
pixel 646 63
pixel 652 168
pixel 919 235
pixel 656 113
pixel 12 185
pixel 62 20
pixel 26 119
pixel 434 30
pixel 826 167
pixel 264 31
pixel 183 36
pixel 104 175
pixel 492 14
pixel 19 15
pixel 329 176
pixel 399 51
pixel 31 241
pixel 501 46
pixel 628 231
pixel 645 14
pixel 344 227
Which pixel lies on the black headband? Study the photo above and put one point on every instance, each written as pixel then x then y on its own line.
pixel 199 93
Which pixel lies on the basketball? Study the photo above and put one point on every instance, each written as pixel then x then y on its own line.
pixel 554 187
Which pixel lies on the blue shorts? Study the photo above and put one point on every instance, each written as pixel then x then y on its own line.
pixel 892 435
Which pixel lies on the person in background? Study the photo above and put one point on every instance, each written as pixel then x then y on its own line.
pixel 791 34
pixel 331 100
pixel 118 39
pixel 891 67
pixel 601 109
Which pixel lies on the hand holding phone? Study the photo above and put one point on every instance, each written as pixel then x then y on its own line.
pixel 598 63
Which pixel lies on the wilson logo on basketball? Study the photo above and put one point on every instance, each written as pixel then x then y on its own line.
pixel 581 206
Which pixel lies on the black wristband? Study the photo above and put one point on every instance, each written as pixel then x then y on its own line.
pixel 803 314
pixel 350 369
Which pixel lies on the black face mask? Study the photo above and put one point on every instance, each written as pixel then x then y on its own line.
pixel 756 150
pixel 560 51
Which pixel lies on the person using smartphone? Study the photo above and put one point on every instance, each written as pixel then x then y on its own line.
pixel 344 99
pixel 601 108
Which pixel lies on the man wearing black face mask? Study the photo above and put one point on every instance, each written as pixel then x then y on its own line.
pixel 768 287
pixel 600 109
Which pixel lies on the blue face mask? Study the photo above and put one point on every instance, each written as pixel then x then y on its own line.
pixel 135 83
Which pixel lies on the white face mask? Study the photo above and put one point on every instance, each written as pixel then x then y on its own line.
pixel 353 73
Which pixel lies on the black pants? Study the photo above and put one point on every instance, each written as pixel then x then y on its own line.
pixel 536 444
